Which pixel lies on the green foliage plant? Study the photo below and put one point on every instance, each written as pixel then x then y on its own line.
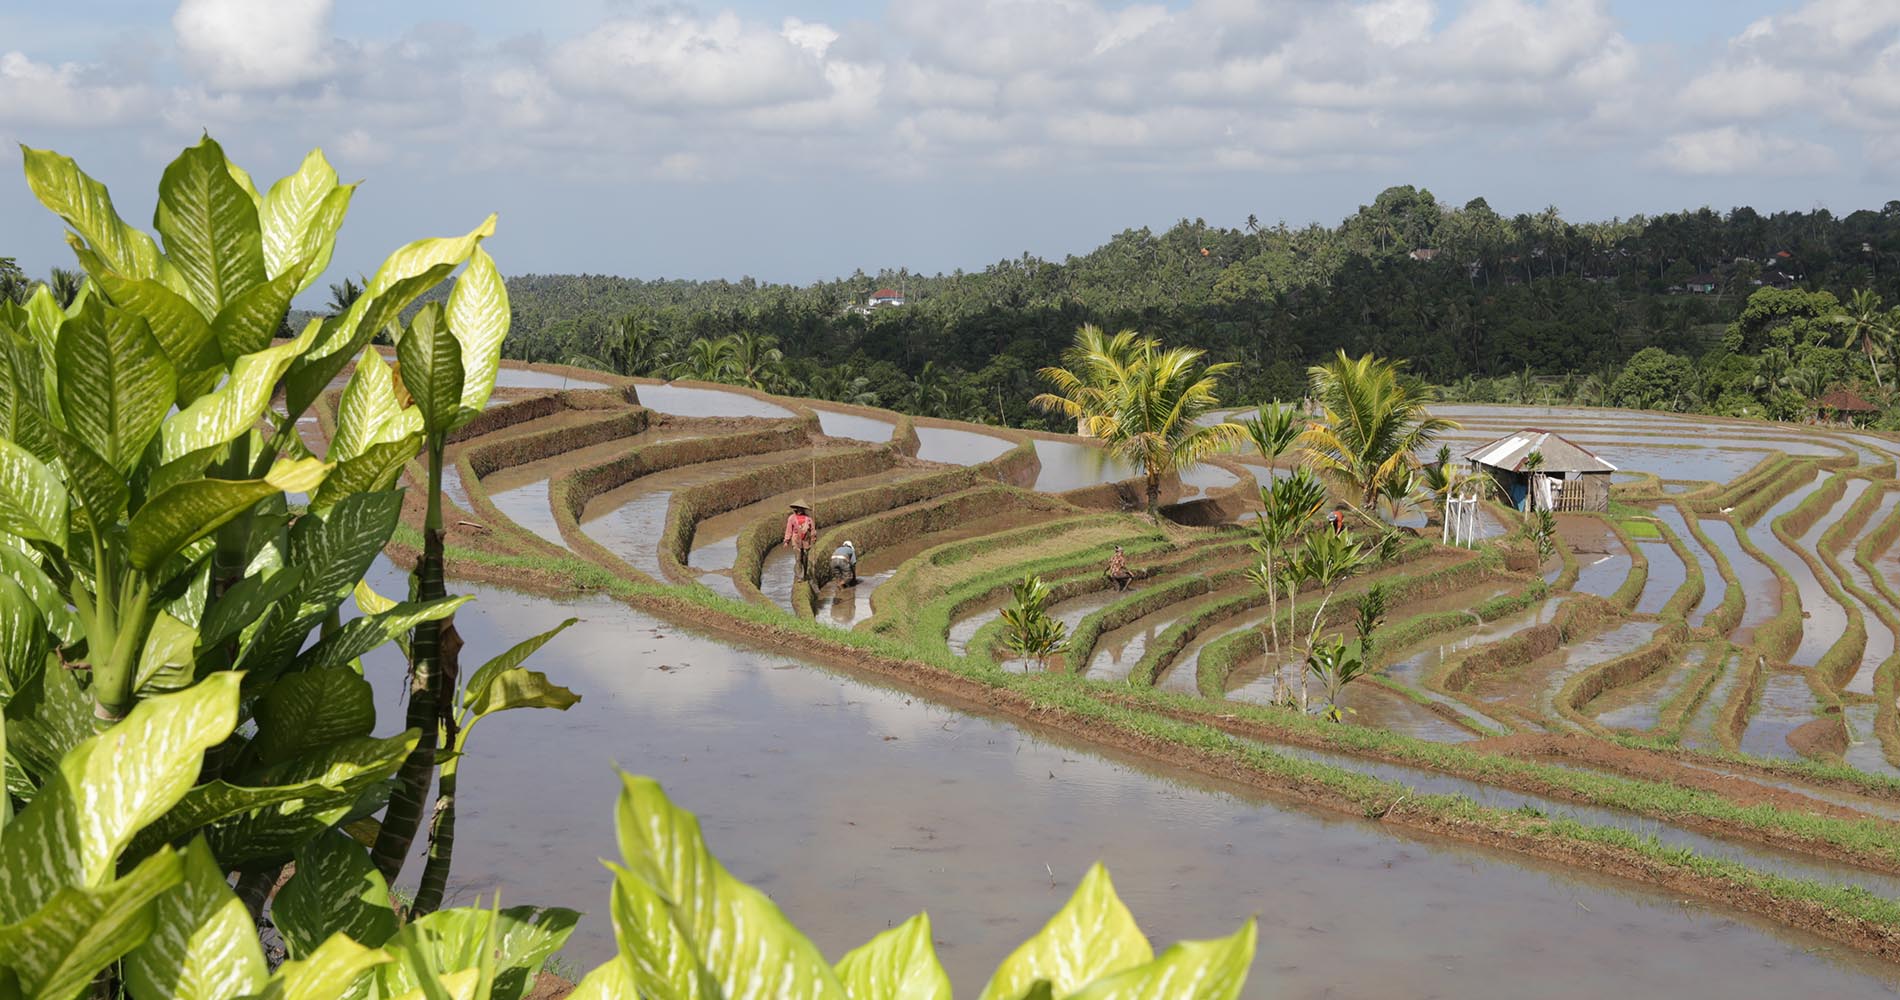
pixel 1028 629
pixel 180 696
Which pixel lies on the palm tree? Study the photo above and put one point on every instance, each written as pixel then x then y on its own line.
pixel 65 286
pixel 635 347
pixel 1147 406
pixel 710 359
pixel 1371 423
pixel 757 361
pixel 1865 324
pixel 344 295
pixel 1096 366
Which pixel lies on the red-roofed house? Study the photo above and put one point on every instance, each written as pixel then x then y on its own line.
pixel 886 297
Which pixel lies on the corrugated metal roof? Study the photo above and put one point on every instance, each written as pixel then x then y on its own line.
pixel 1509 452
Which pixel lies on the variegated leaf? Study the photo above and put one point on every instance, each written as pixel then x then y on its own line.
pixel 1204 970
pixel 373 471
pixel 56 951
pixel 358 765
pixel 289 208
pixel 191 510
pixel 661 961
pixel 899 964
pixel 1092 936
pixel 610 980
pixel 319 238
pixel 73 832
pixel 447 942
pixel 338 346
pixel 203 944
pixel 336 890
pixel 520 688
pixel 332 971
pixel 478 315
pixel 361 635
pixel 738 935
pixel 439 255
pixel 60 185
pixel 183 331
pixel 19 567
pixel 32 499
pixel 115 383
pixel 431 368
pixel 367 412
pixel 23 640
pixel 247 599
pixel 235 409
pixel 307 711
pixel 356 770
pixel 249 321
pixel 210 227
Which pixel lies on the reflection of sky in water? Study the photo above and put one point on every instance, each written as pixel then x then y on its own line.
pixel 852 425
pixel 691 401
pixel 1072 465
pixel 854 807
pixel 956 447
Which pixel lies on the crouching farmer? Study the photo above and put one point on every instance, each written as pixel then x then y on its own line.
pixel 800 533
pixel 1118 570
pixel 844 564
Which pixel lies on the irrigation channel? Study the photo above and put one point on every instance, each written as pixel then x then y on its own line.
pixel 1719 642
pixel 854 805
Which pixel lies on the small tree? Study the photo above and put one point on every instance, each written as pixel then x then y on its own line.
pixel 1289 504
pixel 1372 607
pixel 1028 630
pixel 1336 666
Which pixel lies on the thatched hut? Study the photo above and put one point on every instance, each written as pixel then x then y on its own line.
pixel 1567 477
pixel 1844 406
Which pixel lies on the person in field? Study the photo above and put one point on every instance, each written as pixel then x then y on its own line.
pixel 1118 569
pixel 844 564
pixel 1337 521
pixel 800 533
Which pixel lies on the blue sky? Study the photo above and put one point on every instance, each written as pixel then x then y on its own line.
pixel 804 140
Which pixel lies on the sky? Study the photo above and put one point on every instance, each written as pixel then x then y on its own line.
pixel 799 141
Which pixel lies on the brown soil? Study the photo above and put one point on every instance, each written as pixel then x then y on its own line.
pixel 549 986
pixel 1822 739
pixel 1587 535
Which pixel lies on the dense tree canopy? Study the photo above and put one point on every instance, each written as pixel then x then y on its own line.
pixel 1492 307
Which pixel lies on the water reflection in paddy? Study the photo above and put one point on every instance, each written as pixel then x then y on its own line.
pixel 693 401
pixel 956 447
pixel 854 806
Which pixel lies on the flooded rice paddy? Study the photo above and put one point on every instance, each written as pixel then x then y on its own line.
pixel 1074 465
pixel 694 401
pixel 793 771
pixel 954 447
pixel 838 424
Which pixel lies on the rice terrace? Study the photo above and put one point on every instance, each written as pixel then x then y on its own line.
pixel 1446 602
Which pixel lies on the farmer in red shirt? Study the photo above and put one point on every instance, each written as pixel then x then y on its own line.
pixel 800 533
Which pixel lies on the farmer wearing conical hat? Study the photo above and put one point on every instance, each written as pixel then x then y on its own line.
pixel 800 533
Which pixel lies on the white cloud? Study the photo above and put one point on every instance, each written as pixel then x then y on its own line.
pixel 38 93
pixel 245 45
pixel 1734 150
pixel 675 62
pixel 357 147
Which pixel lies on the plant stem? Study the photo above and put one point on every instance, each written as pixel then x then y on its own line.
pixel 435 872
pixel 404 814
